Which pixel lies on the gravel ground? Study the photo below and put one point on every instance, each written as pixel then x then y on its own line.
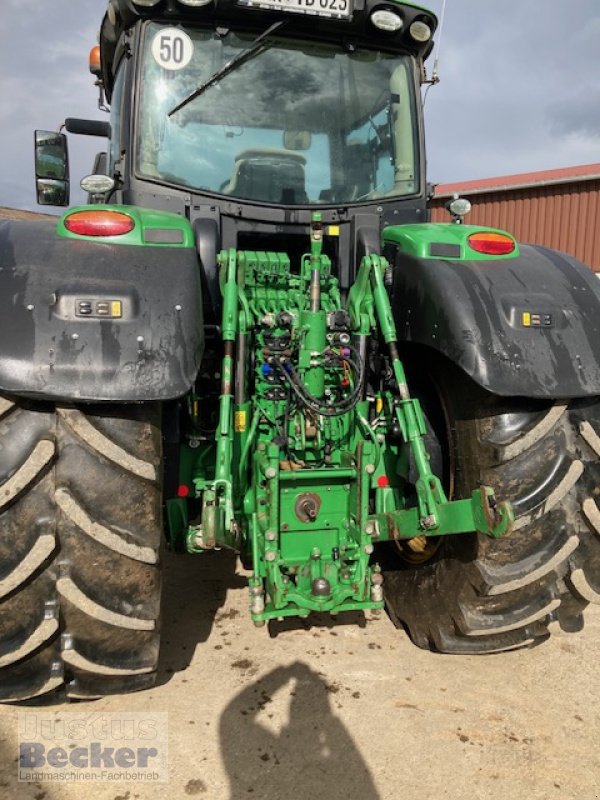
pixel 345 709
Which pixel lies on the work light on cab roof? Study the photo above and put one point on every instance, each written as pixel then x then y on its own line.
pixel 386 20
pixel 420 31
pixel 403 24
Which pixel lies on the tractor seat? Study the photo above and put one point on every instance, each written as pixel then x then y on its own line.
pixel 269 176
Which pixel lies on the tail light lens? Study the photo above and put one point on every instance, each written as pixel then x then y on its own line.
pixel 99 223
pixel 492 244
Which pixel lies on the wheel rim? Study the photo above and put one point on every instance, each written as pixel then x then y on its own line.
pixel 417 557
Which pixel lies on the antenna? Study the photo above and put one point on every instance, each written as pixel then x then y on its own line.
pixel 435 76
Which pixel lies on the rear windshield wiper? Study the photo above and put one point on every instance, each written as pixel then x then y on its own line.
pixel 242 56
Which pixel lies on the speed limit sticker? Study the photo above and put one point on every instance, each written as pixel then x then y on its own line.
pixel 172 48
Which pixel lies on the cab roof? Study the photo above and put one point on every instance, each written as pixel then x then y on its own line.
pixel 357 30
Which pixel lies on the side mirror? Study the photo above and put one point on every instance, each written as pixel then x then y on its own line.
pixel 51 168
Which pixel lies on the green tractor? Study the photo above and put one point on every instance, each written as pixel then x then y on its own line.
pixel 253 338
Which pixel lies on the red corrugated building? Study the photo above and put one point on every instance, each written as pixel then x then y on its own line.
pixel 558 208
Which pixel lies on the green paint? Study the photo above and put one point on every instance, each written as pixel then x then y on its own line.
pixel 146 220
pixel 419 7
pixel 416 240
pixel 452 518
pixel 293 478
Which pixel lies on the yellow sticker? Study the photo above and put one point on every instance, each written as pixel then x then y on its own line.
pixel 526 319
pixel 333 230
pixel 240 422
pixel 116 308
pixel 379 405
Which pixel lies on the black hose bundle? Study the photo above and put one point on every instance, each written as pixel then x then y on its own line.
pixel 313 403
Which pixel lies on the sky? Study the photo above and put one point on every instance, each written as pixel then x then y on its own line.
pixel 519 90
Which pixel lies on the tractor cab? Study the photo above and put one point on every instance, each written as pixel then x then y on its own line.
pixel 294 124
pixel 248 117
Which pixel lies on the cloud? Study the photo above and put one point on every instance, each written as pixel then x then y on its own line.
pixel 518 90
pixel 578 113
pixel 519 87
pixel 44 79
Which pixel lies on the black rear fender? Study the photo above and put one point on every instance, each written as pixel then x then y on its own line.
pixel 82 319
pixel 528 325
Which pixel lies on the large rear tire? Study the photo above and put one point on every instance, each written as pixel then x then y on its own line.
pixel 80 532
pixel 479 595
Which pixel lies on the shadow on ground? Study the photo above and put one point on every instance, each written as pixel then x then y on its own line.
pixel 307 753
pixel 194 590
pixel 317 621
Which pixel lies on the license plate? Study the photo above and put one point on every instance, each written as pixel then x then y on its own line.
pixel 340 9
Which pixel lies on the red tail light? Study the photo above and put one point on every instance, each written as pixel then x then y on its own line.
pixel 99 223
pixel 492 244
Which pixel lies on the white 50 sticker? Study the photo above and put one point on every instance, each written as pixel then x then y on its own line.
pixel 172 48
